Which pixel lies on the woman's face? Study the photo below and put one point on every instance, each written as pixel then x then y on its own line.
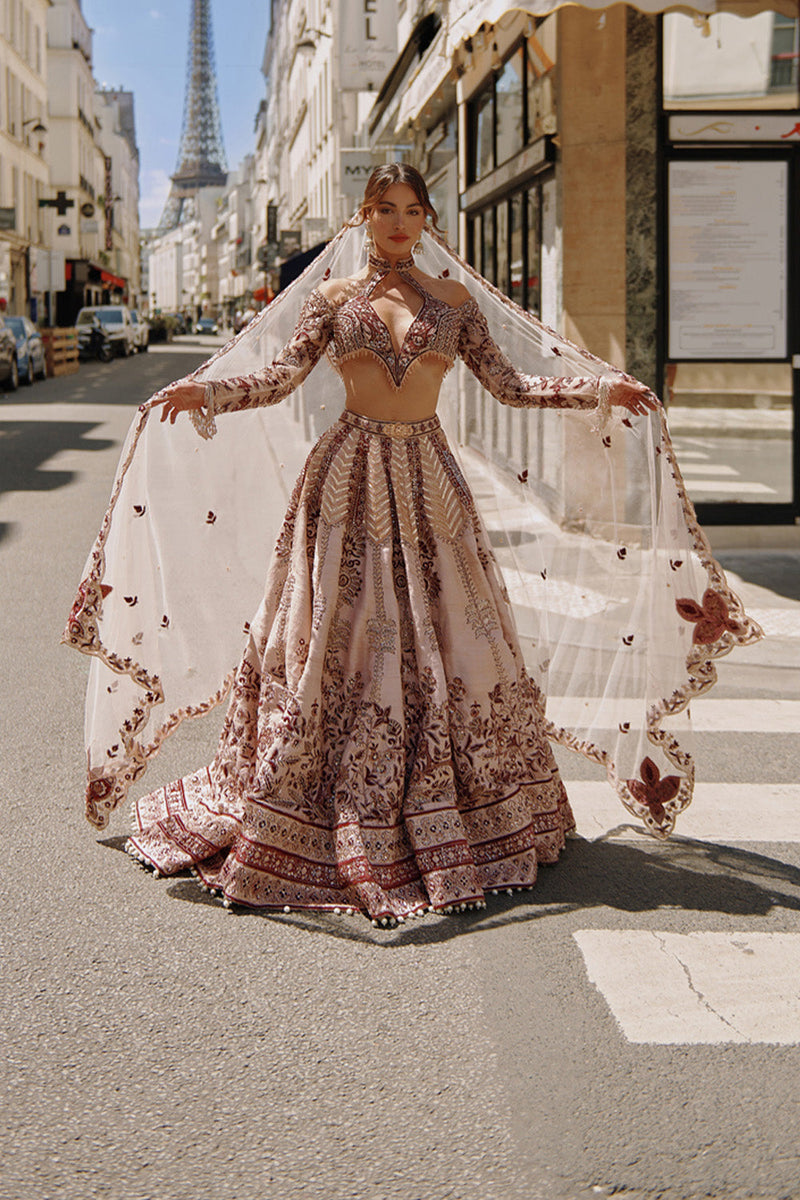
pixel 396 221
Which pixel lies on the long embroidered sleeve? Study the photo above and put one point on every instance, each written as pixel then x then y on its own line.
pixel 501 378
pixel 272 383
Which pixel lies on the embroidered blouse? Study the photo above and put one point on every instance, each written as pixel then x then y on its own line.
pixel 352 332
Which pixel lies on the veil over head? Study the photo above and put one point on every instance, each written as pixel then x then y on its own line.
pixel 620 606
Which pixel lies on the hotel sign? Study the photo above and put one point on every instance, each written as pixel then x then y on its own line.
pixel 367 43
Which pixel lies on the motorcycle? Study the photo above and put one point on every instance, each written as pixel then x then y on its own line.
pixel 95 343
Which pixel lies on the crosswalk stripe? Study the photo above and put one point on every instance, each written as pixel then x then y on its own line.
pixel 707 715
pixel 730 485
pixel 719 812
pixel 697 468
pixel 697 988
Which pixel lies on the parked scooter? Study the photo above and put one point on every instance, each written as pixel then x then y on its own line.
pixel 94 342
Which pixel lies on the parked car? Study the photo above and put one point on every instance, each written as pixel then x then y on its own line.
pixel 206 325
pixel 141 328
pixel 116 320
pixel 30 349
pixel 9 368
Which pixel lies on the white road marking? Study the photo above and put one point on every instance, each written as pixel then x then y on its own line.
pixel 690 468
pixel 730 485
pixel 697 988
pixel 707 716
pixel 719 812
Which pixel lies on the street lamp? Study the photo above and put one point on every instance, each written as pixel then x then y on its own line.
pixel 307 42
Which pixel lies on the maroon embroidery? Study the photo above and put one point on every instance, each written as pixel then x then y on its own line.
pixel 274 382
pixel 711 618
pixel 499 376
pixel 435 329
pixel 654 791
pixel 414 770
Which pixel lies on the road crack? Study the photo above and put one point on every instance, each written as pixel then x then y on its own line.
pixel 696 991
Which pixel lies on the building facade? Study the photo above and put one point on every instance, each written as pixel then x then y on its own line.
pixel 24 131
pixel 632 180
pixel 119 207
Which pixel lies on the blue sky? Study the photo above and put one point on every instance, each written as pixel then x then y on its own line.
pixel 142 46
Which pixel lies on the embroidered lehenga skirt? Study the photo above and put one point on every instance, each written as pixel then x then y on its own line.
pixel 384 748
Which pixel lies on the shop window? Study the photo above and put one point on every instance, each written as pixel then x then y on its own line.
pixel 533 300
pixel 785 55
pixel 509 94
pixel 729 62
pixel 514 106
pixel 487 267
pixel 483 135
pixel 505 245
pixel 501 253
pixel 516 248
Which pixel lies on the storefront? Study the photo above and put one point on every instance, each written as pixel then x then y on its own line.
pixel 730 261
pixel 631 177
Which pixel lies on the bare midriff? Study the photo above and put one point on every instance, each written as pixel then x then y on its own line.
pixel 371 393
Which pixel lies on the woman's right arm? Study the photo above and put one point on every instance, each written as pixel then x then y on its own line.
pixel 269 385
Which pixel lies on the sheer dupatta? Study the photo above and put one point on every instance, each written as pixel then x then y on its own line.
pixel 621 608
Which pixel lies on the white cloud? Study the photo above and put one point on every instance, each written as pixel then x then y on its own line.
pixel 155 186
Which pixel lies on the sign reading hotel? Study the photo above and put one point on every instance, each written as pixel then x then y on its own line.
pixel 367 43
pixel 727 259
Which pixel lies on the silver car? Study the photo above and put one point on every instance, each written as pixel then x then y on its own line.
pixel 116 320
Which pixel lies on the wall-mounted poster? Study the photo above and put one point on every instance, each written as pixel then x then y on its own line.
pixel 727 255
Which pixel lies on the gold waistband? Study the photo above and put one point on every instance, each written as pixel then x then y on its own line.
pixel 392 429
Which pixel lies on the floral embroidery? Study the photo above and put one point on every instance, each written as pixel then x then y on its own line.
pixel 415 770
pixel 711 618
pixel 654 791
pixel 499 376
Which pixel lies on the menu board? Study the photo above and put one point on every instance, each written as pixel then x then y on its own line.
pixel 727 230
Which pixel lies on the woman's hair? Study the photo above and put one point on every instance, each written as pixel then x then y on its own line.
pixel 383 178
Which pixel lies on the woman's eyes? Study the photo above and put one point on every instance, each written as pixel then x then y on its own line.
pixel 387 212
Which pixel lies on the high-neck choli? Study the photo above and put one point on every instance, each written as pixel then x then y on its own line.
pixel 360 331
pixel 381 266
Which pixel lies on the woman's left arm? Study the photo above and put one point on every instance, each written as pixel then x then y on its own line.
pixel 501 378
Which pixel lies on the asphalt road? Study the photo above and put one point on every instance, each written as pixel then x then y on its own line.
pixel 158 1047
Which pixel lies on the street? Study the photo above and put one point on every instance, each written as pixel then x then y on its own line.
pixel 631 1027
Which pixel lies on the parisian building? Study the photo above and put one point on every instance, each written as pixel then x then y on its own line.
pixel 92 203
pixel 631 179
pixel 24 177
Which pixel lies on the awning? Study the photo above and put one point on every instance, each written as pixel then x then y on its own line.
pixel 113 280
pixel 465 17
pixel 430 76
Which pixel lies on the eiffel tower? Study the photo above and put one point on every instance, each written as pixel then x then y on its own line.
pixel 201 158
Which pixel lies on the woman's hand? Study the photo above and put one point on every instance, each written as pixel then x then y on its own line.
pixel 631 394
pixel 182 396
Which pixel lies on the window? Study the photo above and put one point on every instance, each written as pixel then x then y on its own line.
pixel 728 62
pixel 483 118
pixel 513 108
pixel 509 98
pixel 505 242
pixel 785 54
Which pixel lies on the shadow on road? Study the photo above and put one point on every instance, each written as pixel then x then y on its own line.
pixel 681 874
pixel 26 445
pixel 774 569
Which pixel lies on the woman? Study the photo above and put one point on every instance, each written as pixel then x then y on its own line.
pixel 385 748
